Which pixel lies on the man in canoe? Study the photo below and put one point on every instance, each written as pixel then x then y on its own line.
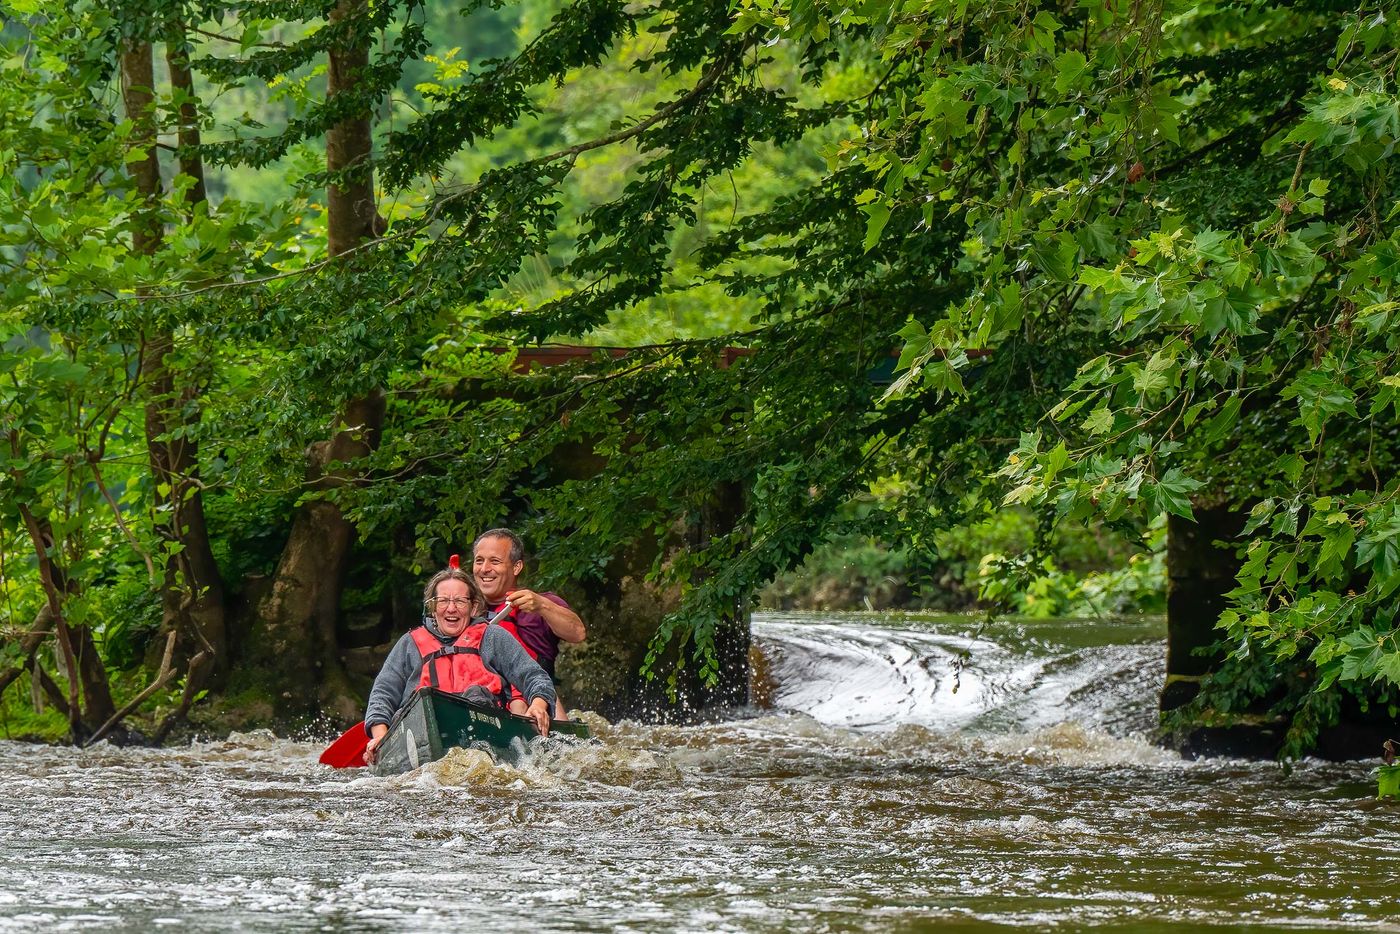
pixel 539 620
pixel 457 651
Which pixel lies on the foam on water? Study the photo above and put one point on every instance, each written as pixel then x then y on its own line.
pixel 880 677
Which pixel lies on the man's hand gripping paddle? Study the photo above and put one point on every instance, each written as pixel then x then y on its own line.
pixel 348 752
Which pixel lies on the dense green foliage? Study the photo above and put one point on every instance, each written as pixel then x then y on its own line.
pixel 1076 573
pixel 1137 256
pixel 1199 197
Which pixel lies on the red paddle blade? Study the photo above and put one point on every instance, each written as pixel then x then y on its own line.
pixel 348 752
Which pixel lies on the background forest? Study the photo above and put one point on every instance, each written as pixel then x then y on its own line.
pixel 1017 288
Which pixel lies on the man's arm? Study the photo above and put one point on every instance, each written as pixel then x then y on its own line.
pixel 557 615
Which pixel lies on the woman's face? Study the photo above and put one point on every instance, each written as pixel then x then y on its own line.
pixel 453 607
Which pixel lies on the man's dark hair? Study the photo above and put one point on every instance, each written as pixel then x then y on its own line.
pixel 517 547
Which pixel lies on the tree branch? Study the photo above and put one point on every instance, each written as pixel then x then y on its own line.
pixel 42 627
pixel 707 80
pixel 266 44
pixel 163 675
pixel 54 692
pixel 121 523
pixel 186 700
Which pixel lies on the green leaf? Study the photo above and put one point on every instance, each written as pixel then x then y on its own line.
pixel 1223 422
pixel 1212 245
pixel 1110 281
pixel 1100 421
pixel 1336 546
pixel 1069 67
pixel 878 215
pixel 1156 376
pixel 1172 493
pixel 1388 667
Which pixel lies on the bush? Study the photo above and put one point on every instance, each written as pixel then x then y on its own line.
pixel 1087 572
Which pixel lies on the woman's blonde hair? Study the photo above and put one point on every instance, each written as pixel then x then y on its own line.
pixel 453 574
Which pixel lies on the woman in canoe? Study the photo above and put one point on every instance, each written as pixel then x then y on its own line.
pixel 455 650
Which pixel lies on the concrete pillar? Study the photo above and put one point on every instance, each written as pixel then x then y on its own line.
pixel 1199 575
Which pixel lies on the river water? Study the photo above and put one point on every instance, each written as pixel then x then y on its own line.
pixel 872 796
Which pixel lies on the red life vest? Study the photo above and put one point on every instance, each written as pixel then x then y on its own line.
pixel 456 667
pixel 508 624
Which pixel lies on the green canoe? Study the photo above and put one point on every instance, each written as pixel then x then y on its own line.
pixel 435 721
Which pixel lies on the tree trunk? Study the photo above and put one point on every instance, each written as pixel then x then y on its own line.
pixel 295 637
pixel 138 98
pixel 352 217
pixel 192 592
pixel 177 59
pixel 89 702
pixel 296 626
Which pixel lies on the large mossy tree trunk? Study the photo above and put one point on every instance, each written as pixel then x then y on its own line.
pixel 294 642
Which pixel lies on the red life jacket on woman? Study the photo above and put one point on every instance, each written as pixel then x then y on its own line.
pixel 455 668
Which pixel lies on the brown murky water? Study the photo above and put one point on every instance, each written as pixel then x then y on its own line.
pixel 875 798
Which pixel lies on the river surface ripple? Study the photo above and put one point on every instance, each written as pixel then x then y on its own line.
pixel 872 797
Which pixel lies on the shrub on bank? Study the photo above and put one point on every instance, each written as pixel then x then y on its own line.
pixel 1081 574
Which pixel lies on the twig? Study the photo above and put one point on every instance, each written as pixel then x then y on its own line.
pixel 266 44
pixel 164 674
pixel 121 523
pixel 186 700
pixel 1298 171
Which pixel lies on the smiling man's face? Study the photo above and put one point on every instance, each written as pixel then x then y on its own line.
pixel 494 571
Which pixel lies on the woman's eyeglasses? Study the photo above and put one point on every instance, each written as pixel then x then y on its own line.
pixel 453 601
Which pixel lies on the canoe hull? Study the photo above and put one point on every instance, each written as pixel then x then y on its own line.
pixel 434 722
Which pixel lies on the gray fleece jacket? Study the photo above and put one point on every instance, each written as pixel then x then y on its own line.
pixel 500 653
